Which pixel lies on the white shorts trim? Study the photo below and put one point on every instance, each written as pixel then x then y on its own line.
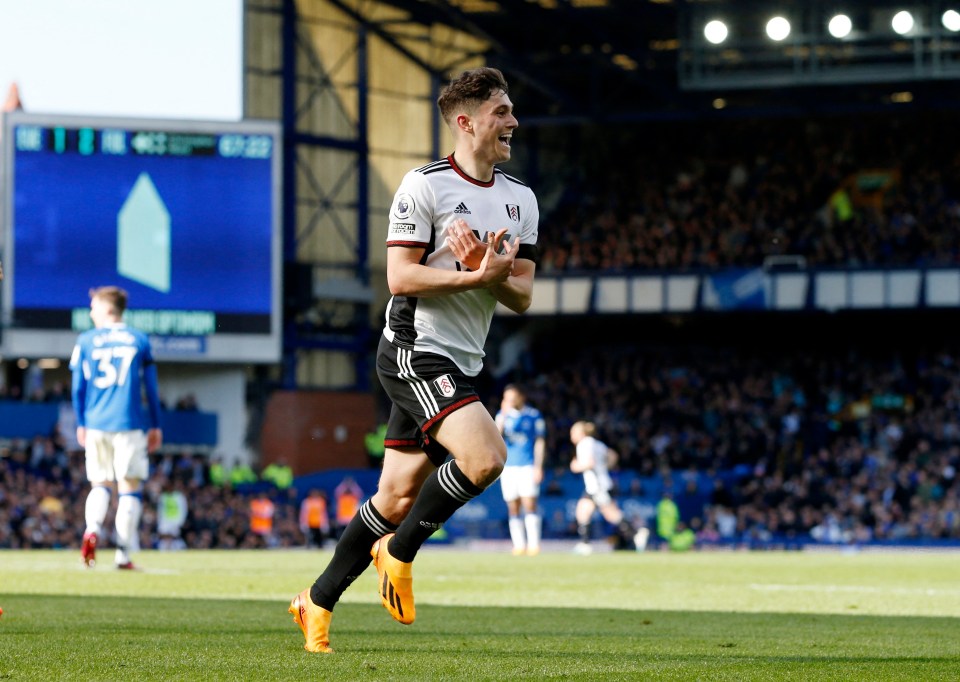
pixel 113 455
pixel 517 482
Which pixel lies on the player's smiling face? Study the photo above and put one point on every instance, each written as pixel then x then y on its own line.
pixel 493 126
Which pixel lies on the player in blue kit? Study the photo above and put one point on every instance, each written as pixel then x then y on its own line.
pixel 112 368
pixel 524 432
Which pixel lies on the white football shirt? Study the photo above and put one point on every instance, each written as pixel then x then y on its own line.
pixel 428 200
pixel 597 479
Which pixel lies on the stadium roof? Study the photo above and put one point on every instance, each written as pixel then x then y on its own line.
pixel 571 58
pixel 617 60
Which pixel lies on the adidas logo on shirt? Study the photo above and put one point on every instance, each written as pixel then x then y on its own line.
pixel 462 208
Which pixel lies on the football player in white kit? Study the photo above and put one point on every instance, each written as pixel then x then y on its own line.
pixel 592 459
pixel 461 240
pixel 524 432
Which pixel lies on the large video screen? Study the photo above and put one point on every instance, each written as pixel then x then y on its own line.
pixel 184 216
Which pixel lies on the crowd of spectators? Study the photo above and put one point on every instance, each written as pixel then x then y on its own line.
pixel 833 444
pixel 840 443
pixel 837 191
pixel 43 488
pixel 836 443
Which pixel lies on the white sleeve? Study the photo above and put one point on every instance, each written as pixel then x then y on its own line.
pixel 530 229
pixel 584 452
pixel 412 211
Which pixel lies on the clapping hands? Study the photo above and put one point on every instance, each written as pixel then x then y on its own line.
pixel 483 257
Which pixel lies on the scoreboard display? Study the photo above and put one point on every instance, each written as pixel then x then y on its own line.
pixel 183 215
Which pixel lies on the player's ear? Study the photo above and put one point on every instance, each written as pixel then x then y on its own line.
pixel 464 123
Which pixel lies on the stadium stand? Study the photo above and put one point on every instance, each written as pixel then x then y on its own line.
pixel 844 443
pixel 857 190
pixel 762 445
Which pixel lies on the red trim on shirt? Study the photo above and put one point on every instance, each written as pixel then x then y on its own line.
pixel 472 181
pixel 407 243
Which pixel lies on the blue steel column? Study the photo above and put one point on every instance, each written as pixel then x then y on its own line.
pixel 289 201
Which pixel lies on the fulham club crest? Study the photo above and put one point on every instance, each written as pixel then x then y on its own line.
pixel 513 212
pixel 445 385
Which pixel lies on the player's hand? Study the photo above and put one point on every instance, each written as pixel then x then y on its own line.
pixel 154 440
pixel 497 267
pixel 537 475
pixel 464 244
pixel 82 436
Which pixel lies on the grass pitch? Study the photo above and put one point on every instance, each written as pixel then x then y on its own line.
pixel 489 616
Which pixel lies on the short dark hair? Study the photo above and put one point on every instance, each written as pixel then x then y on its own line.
pixel 469 89
pixel 115 296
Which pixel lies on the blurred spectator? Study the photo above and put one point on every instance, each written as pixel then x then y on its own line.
pixel 171 515
pixel 347 497
pixel 278 473
pixel 242 473
pixel 373 442
pixel 315 518
pixel 197 470
pixel 668 516
pixel 218 472
pixel 262 511
pixel 187 403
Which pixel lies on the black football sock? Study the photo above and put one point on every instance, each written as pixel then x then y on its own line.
pixel 352 555
pixel 583 531
pixel 626 529
pixel 444 492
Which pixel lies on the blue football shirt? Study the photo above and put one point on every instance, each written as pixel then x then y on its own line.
pixel 521 428
pixel 112 369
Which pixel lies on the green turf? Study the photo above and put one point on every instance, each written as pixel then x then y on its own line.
pixel 490 616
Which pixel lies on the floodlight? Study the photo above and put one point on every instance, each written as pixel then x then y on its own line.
pixel 778 28
pixel 715 31
pixel 951 20
pixel 840 26
pixel 902 22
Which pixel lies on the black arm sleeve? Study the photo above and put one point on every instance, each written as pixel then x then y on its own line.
pixel 528 251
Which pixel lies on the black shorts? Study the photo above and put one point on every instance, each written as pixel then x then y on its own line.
pixel 424 388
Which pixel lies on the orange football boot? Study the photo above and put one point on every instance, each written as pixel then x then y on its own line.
pixel 394 582
pixel 314 621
